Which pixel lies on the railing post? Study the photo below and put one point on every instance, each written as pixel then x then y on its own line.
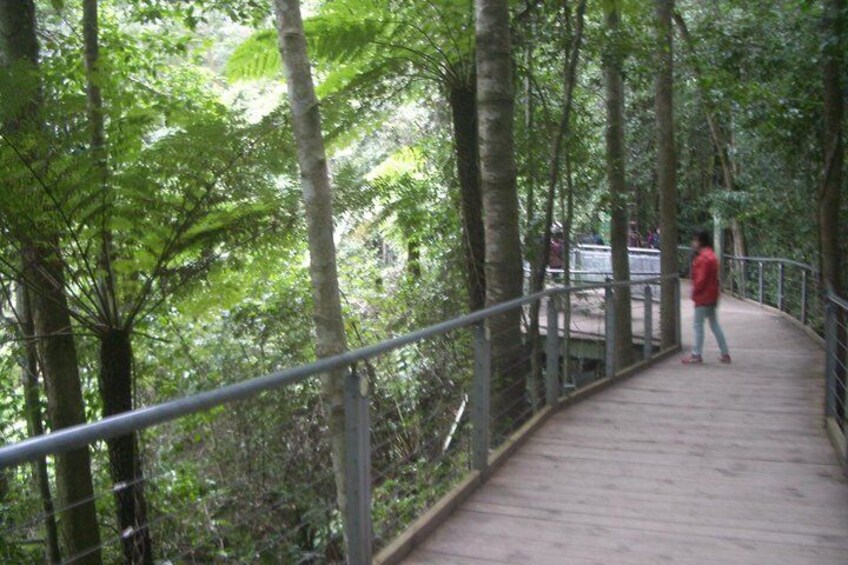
pixel 761 282
pixel 357 469
pixel 677 318
pixel 830 359
pixel 804 297
pixel 481 398
pixel 649 323
pixel 567 380
pixel 610 358
pixel 552 387
pixel 744 270
pixel 781 275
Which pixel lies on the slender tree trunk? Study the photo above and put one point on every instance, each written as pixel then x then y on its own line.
pixel 99 163
pixel 116 380
pixel 830 202
pixel 35 422
pixel 42 271
pixel 463 105
pixel 616 176
pixel 537 277
pixel 531 225
pixel 830 199
pixel 504 271
pixel 318 198
pixel 719 142
pixel 666 170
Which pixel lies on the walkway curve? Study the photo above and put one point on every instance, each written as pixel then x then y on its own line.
pixel 691 465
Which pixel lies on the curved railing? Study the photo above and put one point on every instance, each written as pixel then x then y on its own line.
pixel 427 415
pixel 795 289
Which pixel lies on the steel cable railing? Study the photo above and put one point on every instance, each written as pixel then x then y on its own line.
pixel 794 289
pixel 245 473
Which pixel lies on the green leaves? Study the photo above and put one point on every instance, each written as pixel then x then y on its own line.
pixel 256 58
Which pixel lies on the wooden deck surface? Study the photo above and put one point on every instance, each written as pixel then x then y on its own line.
pixel 706 464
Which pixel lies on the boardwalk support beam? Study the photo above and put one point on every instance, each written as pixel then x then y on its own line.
pixel 357 469
pixel 649 323
pixel 480 398
pixel 761 283
pixel 804 297
pixel 552 386
pixel 830 360
pixel 609 305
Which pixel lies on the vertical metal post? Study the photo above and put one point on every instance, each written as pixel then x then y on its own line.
pixel 731 277
pixel 567 380
pixel 744 270
pixel 804 296
pixel 552 387
pixel 677 318
pixel 761 282
pixel 610 358
pixel 481 398
pixel 649 323
pixel 357 469
pixel 830 359
pixel 781 277
pixel 718 237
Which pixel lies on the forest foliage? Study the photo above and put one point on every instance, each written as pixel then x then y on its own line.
pixel 194 242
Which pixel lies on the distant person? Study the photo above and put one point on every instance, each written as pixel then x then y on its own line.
pixel 555 258
pixel 705 291
pixel 654 238
pixel 633 238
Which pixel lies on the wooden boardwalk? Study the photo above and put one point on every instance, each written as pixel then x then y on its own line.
pixel 708 464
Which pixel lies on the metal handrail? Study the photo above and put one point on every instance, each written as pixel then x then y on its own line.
pixel 772 260
pixel 113 426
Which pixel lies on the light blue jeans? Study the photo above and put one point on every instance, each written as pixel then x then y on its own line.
pixel 711 314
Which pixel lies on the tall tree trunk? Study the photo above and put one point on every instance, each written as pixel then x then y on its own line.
pixel 463 105
pixel 77 515
pixel 51 321
pixel 318 199
pixel 35 422
pixel 830 200
pixel 666 170
pixel 98 154
pixel 612 62
pixel 504 271
pixel 116 383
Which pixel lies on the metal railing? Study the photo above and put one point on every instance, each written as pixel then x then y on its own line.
pixel 794 288
pixel 245 472
pixel 836 372
pixel 789 286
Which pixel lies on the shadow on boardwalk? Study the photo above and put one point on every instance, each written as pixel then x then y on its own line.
pixel 705 464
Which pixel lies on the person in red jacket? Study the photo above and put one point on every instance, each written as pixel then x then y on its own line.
pixel 705 292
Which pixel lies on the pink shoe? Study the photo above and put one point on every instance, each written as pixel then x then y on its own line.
pixel 692 360
pixel 725 359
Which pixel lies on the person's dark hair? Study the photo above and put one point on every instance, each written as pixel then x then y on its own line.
pixel 704 238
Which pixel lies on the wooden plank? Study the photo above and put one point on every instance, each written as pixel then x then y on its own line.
pixel 518 538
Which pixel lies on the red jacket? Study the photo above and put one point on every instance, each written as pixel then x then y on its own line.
pixel 705 278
